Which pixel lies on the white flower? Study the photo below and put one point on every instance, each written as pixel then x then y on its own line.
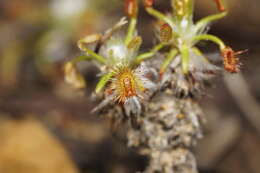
pixel 117 53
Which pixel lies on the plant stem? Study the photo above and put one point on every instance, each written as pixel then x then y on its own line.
pixel 149 54
pixel 168 60
pixel 159 15
pixel 185 58
pixel 131 30
pixel 206 20
pixel 212 38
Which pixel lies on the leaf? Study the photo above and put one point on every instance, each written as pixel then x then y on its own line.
pixel 102 82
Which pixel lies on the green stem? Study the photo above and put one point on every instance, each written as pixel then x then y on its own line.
pixel 190 7
pixel 131 30
pixel 168 60
pixel 206 20
pixel 149 54
pixel 185 55
pixel 159 15
pixel 212 38
pixel 199 53
pixel 90 52
pixel 103 81
pixel 81 58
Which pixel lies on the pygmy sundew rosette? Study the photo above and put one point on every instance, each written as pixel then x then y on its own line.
pixel 124 80
pixel 181 35
pixel 155 99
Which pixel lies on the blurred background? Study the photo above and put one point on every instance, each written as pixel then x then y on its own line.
pixel 46 126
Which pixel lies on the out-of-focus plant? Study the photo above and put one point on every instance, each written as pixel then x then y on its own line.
pixel 155 91
pixel 46 29
pixel 63 24
pixel 17 33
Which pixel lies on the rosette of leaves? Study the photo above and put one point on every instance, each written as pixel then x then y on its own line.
pixel 123 80
pixel 185 68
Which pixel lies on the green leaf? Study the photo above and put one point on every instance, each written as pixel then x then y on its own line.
pixel 103 81
pixel 168 60
pixel 185 55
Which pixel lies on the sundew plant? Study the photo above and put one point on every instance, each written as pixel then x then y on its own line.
pixel 154 94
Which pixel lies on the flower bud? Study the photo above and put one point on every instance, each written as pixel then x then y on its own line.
pixel 73 77
pixel 220 5
pixel 135 43
pixel 131 8
pixel 148 3
pixel 179 7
